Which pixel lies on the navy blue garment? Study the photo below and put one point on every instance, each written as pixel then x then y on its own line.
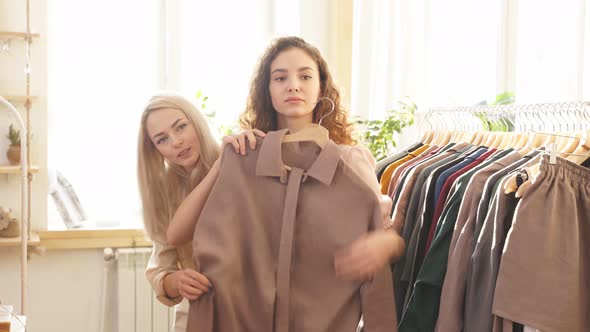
pixel 446 174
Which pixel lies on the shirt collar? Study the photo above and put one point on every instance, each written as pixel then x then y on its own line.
pixel 270 161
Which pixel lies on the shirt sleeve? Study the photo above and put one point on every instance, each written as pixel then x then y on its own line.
pixel 378 298
pixel 164 260
pixel 360 159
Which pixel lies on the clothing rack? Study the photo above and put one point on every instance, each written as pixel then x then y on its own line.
pixel 463 261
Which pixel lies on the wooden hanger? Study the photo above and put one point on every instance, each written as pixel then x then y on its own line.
pixel 582 152
pixel 562 141
pixel 504 140
pixel 429 137
pixel 311 132
pixel 572 144
pixel 489 139
pixel 446 138
pixel 425 137
pixel 521 141
pixel 436 138
pixel 470 137
pixel 479 136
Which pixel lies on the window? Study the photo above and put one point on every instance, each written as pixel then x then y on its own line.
pixel 461 58
pixel 550 47
pixel 219 49
pixel 102 66
pixel 105 61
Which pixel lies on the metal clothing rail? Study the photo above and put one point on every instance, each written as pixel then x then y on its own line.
pixel 574 106
pixel 563 116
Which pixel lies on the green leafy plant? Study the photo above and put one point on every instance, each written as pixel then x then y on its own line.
pixel 493 122
pixel 13 136
pixel 223 128
pixel 378 135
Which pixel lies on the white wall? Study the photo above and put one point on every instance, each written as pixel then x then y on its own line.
pixel 64 289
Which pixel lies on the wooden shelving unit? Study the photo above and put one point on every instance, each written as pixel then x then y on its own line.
pixel 27 237
pixel 34 240
pixel 20 99
pixel 4 169
pixel 16 34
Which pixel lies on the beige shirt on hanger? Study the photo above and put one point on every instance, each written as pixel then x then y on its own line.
pixel 166 259
pixel 266 240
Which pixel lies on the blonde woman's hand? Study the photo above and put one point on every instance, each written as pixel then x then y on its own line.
pixel 192 284
pixel 239 140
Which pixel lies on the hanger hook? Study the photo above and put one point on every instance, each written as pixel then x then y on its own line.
pixel 331 110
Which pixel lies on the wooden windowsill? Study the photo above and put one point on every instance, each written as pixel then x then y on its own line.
pixel 94 239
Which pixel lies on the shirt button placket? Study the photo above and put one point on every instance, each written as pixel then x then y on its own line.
pixel 284 265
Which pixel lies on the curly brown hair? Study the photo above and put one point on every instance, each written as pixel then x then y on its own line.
pixel 260 114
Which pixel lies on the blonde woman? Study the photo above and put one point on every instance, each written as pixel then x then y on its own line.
pixel 176 151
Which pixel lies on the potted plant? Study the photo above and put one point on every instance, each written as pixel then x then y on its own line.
pixel 13 153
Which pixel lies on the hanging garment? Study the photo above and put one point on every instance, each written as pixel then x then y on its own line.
pixel 485 258
pixel 405 181
pixel 386 177
pixel 383 163
pixel 446 181
pixel 266 240
pixel 488 191
pixel 415 204
pixel 450 213
pixel 396 176
pixel 452 302
pixel 401 204
pixel 548 242
pixel 421 311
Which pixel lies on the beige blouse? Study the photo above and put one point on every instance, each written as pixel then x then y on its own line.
pixel 299 217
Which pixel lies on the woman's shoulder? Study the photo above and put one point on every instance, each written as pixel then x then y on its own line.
pixel 358 153
pixel 360 160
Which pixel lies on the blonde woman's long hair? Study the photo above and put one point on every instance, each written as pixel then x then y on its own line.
pixel 164 185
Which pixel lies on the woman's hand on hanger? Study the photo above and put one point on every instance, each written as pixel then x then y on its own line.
pixel 239 140
pixel 368 255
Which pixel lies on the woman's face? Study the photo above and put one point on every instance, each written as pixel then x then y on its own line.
pixel 175 137
pixel 294 85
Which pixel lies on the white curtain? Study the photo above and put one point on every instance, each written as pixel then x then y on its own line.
pixel 460 52
pixel 388 54
pixel 552 59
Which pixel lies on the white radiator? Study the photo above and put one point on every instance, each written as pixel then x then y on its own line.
pixel 129 303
